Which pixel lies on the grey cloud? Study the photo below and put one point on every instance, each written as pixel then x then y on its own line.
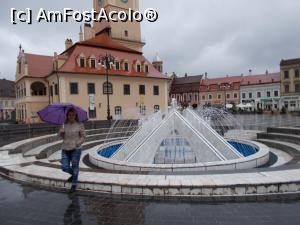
pixel 215 36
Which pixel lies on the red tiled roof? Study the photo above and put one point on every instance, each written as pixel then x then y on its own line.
pixel 187 80
pixel 221 80
pixel 39 65
pixel 42 66
pixel 71 65
pixel 261 79
pixel 104 41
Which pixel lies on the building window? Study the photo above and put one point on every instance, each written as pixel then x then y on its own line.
pixel 258 94
pixel 51 90
pixel 209 97
pixel 118 111
pixel 93 63
pixel 82 62
pixel 126 67
pixel 56 89
pixel 92 113
pixel 138 68
pixel 297 87
pixel 37 89
pixel 117 65
pixel 19 67
pixel 74 88
pixel 250 95
pixel 243 95
pixel 143 110
pixel 156 108
pixel 276 93
pixel 286 88
pixel 235 95
pixel 268 94
pixel 155 90
pixel 219 96
pixel 297 73
pixel 286 74
pixel 293 103
pixel 228 96
pixel 91 89
pixel 126 33
pixel 142 90
pixel 126 89
pixel 146 69
pixel 107 88
pixel 203 97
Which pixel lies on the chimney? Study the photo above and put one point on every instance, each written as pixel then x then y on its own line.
pixel 80 34
pixel 185 75
pixel 88 31
pixel 205 76
pixel 250 72
pixel 267 72
pixel 68 43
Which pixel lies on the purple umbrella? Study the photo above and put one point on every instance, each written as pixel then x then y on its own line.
pixel 57 113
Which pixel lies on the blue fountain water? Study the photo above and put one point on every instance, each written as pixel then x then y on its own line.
pixel 244 149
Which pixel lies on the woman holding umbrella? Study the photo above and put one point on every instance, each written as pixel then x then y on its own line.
pixel 73 135
pixel 71 117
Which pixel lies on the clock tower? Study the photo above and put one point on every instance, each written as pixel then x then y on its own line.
pixel 126 33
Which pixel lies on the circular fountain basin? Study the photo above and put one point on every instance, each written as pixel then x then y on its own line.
pixel 255 155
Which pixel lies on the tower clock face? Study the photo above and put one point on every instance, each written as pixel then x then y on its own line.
pixel 124 1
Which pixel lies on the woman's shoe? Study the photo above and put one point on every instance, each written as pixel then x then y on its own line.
pixel 70 179
pixel 73 189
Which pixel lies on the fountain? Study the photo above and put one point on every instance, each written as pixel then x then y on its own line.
pixel 179 141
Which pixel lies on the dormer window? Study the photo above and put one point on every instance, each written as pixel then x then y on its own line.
pixel 138 68
pixel 260 81
pixel 126 66
pixel 126 33
pixel 81 62
pixel 117 65
pixel 146 69
pixel 93 63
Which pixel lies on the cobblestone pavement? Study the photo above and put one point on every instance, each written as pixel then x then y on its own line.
pixel 22 205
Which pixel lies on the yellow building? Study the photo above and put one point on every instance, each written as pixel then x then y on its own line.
pixel 78 75
pixel 290 84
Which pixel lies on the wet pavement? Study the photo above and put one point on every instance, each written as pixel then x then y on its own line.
pixel 22 205
pixel 262 121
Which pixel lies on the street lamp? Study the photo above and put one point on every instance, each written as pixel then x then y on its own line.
pixel 106 61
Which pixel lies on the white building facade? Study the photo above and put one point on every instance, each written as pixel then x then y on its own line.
pixel 262 91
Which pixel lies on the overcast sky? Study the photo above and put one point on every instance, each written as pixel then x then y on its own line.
pixel 221 37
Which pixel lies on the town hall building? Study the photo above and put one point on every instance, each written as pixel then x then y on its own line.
pixel 129 85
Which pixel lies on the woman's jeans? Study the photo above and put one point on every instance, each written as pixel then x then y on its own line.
pixel 68 157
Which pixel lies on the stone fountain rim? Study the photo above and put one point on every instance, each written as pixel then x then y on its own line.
pixel 258 159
